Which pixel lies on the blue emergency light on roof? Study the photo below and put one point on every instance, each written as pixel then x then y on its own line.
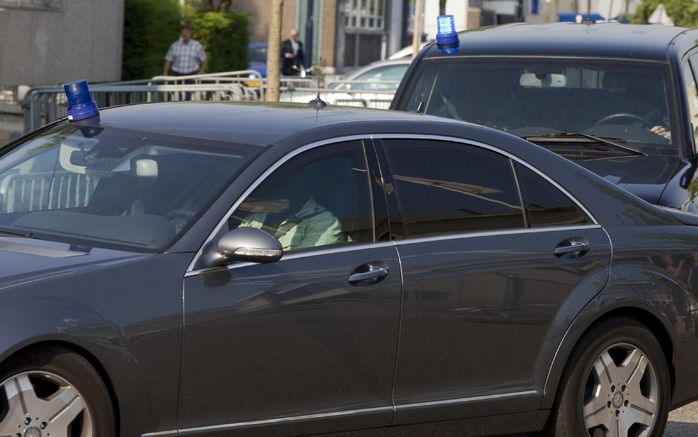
pixel 446 37
pixel 80 103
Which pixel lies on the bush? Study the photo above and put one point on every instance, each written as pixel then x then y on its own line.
pixel 223 35
pixel 150 26
pixel 683 13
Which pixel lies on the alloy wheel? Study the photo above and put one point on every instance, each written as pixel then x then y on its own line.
pixel 620 393
pixel 42 404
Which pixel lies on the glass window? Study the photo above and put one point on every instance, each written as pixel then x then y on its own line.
pixel 546 205
pixel 104 186
pixel 449 188
pixel 318 198
pixel 381 78
pixel 689 74
pixel 624 101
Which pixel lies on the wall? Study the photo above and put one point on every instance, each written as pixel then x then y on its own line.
pixel 81 39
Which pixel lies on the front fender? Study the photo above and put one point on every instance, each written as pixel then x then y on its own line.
pixel 126 318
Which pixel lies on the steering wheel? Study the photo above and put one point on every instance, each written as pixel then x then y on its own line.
pixel 624 115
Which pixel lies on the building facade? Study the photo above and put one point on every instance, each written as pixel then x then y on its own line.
pixel 340 35
pixel 54 41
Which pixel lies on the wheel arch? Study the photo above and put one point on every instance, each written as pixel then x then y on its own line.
pixel 48 345
pixel 642 315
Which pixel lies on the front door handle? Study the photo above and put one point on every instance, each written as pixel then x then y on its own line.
pixel 572 248
pixel 368 274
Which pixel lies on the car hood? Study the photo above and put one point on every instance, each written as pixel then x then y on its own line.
pixel 644 176
pixel 27 260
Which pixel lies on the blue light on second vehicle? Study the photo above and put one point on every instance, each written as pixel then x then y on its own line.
pixel 80 103
pixel 447 38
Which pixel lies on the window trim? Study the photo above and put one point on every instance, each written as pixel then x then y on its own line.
pixel 513 160
pixel 275 166
pixel 191 271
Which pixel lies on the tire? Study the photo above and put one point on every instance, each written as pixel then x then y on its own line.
pixel 617 379
pixel 62 393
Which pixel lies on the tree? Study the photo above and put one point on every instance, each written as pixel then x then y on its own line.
pixel 683 13
pixel 417 30
pixel 274 52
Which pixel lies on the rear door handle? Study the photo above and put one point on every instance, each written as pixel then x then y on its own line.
pixel 572 248
pixel 368 274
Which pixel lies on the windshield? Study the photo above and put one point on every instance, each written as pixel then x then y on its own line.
pixel 626 102
pixel 109 187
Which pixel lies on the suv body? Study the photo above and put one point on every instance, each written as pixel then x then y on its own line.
pixel 618 99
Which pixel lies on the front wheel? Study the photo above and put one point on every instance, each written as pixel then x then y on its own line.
pixel 616 384
pixel 53 393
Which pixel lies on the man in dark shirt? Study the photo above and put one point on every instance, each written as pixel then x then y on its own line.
pixel 292 55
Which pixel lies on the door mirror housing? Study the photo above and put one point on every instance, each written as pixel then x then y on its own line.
pixel 249 244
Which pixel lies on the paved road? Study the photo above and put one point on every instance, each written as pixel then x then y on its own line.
pixel 683 422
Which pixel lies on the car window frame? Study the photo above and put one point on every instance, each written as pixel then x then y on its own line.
pixel 396 215
pixel 219 230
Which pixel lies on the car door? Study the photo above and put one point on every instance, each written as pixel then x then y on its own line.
pixel 307 344
pixel 491 251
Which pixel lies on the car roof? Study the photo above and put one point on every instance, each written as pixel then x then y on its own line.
pixel 247 123
pixel 613 40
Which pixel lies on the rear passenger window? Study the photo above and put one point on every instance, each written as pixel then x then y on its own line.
pixel 447 188
pixel 546 204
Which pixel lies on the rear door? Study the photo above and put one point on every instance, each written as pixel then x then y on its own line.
pixel 491 251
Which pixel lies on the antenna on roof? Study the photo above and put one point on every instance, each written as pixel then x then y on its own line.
pixel 317 102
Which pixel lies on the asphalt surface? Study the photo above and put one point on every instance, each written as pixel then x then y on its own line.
pixel 683 422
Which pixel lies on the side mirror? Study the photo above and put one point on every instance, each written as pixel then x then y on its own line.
pixel 249 244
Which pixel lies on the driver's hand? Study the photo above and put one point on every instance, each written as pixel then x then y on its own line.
pixel 661 131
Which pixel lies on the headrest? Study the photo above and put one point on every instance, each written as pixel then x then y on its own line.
pixel 146 168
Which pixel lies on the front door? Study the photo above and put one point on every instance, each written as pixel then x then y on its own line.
pixel 307 344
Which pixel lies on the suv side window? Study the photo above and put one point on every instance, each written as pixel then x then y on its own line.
pixel 688 72
pixel 445 187
pixel 545 204
pixel 319 198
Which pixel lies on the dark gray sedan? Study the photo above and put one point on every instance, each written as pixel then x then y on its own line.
pixel 238 270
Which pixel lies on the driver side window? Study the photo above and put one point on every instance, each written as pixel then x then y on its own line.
pixel 319 198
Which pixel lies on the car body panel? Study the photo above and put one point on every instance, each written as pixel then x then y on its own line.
pixel 243 331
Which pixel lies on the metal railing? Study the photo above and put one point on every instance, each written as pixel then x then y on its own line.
pixel 43 105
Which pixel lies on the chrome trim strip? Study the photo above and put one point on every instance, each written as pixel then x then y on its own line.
pixel 290 419
pixel 261 179
pixel 297 255
pixel 279 420
pixel 494 233
pixel 371 137
pixel 496 150
pixel 466 400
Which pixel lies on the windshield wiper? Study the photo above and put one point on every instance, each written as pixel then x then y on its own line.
pixel 583 140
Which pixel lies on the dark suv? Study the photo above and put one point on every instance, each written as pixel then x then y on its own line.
pixel 618 99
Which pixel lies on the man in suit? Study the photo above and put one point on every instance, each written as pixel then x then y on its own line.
pixel 292 55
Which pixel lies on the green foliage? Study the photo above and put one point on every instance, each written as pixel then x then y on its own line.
pixel 683 13
pixel 150 26
pixel 223 35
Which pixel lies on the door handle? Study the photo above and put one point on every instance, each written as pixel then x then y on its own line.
pixel 572 248
pixel 368 274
